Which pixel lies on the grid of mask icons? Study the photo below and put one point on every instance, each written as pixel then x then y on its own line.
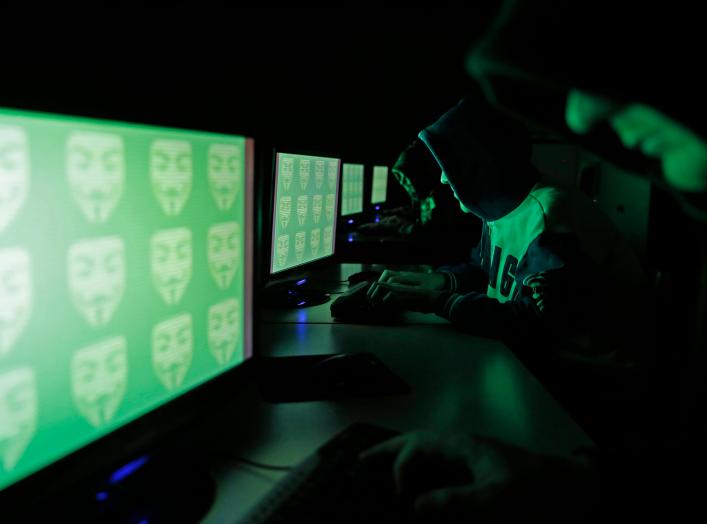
pixel 305 209
pixel 351 189
pixel 380 184
pixel 95 173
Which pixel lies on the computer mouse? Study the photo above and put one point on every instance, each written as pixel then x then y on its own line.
pixel 354 306
pixel 353 303
pixel 347 373
pixel 362 276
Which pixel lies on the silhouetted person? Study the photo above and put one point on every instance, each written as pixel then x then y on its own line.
pixel 550 271
pixel 628 85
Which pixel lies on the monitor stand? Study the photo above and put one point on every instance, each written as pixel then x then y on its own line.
pixel 294 293
pixel 166 488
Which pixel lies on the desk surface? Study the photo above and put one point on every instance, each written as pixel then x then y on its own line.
pixel 459 382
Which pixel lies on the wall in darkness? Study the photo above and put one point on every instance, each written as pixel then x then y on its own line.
pixel 355 82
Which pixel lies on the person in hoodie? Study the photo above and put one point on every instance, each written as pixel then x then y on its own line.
pixel 550 270
pixel 433 218
pixel 632 93
pixel 624 84
pixel 417 172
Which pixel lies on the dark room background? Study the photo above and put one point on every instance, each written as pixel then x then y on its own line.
pixel 359 83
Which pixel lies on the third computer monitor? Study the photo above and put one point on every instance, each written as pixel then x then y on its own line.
pixel 351 189
pixel 379 188
pixel 306 191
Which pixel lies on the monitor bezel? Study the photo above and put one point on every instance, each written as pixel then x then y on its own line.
pixel 304 267
pixel 141 434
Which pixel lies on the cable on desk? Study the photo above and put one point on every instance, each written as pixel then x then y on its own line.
pixel 261 464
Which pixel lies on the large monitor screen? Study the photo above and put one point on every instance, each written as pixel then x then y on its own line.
pixel 351 189
pixel 304 209
pixel 380 184
pixel 124 275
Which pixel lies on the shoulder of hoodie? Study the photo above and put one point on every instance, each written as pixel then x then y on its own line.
pixel 565 208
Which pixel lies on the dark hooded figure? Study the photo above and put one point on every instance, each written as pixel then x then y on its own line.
pixel 625 80
pixel 440 227
pixel 551 271
pixel 416 172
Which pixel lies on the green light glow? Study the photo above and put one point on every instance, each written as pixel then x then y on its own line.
pixel 309 234
pixel 121 276
pixel 682 152
pixel 506 403
pixel 380 184
pixel 351 189
pixel 427 205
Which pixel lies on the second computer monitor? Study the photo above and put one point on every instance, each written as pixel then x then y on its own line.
pixel 306 191
pixel 379 187
pixel 351 189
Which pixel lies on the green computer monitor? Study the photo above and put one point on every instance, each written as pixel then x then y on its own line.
pixel 379 187
pixel 351 189
pixel 125 277
pixel 305 199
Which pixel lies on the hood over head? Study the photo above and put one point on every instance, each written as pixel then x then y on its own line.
pixel 536 51
pixel 418 166
pixel 485 156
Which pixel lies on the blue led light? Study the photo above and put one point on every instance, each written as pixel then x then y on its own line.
pixel 350 238
pixel 301 303
pixel 127 470
pixel 101 496
pixel 351 221
pixel 378 208
pixel 378 219
pixel 300 282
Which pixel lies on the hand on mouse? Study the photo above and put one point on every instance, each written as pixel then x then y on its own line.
pixel 456 477
pixel 412 298
pixel 386 225
pixel 415 289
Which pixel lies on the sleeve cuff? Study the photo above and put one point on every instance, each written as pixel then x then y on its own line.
pixel 450 280
pixel 445 303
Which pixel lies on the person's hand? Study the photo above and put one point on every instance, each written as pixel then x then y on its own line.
pixel 403 296
pixel 401 214
pixel 385 226
pixel 425 461
pixel 456 477
pixel 393 221
pixel 416 288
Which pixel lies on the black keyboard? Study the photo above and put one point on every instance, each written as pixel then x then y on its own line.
pixel 332 486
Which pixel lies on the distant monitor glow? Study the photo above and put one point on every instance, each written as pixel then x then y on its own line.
pixel 125 275
pixel 380 184
pixel 351 189
pixel 304 209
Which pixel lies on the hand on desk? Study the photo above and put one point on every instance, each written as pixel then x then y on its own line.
pixel 389 225
pixel 456 477
pixel 407 290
